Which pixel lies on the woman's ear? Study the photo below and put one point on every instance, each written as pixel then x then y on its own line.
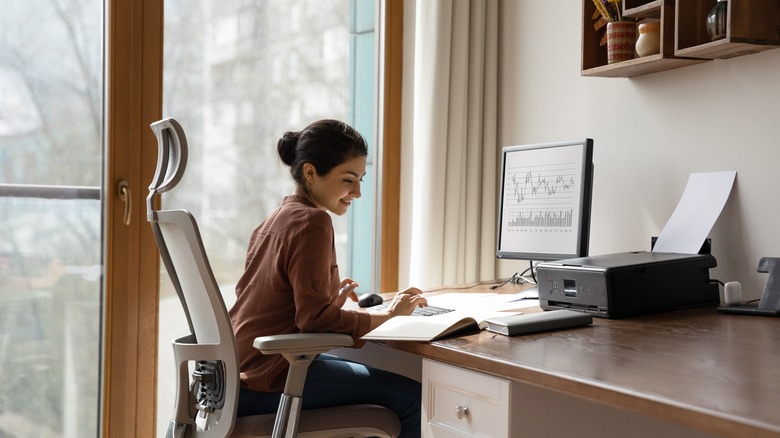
pixel 309 172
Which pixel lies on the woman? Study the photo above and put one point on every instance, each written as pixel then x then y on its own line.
pixel 291 284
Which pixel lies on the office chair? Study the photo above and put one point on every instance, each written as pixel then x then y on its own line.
pixel 207 358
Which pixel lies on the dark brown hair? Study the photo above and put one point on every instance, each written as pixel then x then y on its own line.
pixel 325 144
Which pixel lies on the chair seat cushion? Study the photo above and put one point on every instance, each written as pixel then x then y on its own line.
pixel 327 422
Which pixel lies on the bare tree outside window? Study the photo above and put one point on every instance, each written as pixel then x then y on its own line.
pixel 51 163
pixel 50 71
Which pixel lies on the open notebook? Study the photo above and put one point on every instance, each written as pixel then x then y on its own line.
pixel 471 310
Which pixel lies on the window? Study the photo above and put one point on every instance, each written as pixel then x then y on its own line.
pixel 235 93
pixel 51 163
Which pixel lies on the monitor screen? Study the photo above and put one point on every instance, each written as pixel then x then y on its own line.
pixel 544 208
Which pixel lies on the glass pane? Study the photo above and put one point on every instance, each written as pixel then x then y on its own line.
pixel 237 75
pixel 51 164
pixel 362 106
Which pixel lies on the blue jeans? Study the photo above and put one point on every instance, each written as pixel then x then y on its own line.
pixel 333 381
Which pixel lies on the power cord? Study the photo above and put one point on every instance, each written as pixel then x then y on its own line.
pixel 518 278
pixel 514 279
pixel 732 292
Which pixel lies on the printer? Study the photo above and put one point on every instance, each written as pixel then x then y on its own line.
pixel 626 284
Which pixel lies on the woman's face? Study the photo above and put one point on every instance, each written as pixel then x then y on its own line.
pixel 336 190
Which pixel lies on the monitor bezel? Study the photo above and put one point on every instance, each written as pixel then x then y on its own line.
pixel 585 200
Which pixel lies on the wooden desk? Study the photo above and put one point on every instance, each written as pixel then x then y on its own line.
pixel 706 371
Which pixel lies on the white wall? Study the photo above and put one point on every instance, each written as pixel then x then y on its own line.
pixel 650 132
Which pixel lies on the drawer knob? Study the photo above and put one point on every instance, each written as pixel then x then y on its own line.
pixel 461 412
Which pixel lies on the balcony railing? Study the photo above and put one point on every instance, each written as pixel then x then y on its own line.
pixel 48 192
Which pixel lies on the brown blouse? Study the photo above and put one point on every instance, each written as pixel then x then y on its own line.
pixel 289 285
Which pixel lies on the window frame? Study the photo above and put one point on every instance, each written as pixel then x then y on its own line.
pixel 133 100
pixel 388 216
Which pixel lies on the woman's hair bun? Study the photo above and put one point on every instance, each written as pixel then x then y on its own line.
pixel 287 146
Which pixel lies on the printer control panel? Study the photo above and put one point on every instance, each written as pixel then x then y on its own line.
pixel 576 289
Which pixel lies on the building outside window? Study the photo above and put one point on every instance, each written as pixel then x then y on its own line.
pixel 238 75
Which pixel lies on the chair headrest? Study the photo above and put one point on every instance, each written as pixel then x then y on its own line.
pixel 171 157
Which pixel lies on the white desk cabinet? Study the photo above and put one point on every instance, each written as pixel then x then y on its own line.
pixel 464 403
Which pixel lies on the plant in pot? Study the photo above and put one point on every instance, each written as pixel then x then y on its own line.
pixel 621 33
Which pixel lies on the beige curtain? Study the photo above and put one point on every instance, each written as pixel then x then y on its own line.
pixel 454 142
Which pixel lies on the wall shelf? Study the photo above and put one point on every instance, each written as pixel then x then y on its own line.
pixel 639 66
pixel 642 9
pixel 753 26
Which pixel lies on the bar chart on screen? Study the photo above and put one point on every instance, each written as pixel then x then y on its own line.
pixel 547 218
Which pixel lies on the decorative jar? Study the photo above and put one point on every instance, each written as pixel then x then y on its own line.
pixel 649 41
pixel 717 20
pixel 621 41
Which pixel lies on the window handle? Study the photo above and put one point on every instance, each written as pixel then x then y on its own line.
pixel 123 190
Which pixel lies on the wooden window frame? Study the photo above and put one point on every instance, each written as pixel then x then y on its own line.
pixel 391 145
pixel 134 48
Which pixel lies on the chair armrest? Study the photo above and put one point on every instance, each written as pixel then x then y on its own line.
pixel 300 349
pixel 302 343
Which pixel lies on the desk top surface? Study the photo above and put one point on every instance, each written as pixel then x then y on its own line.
pixel 714 372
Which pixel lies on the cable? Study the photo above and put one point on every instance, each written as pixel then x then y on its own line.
pixel 524 272
pixel 496 286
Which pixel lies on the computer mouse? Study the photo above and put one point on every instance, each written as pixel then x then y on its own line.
pixel 370 299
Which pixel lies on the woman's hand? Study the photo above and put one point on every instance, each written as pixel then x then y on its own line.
pixel 346 290
pixel 406 301
pixel 403 303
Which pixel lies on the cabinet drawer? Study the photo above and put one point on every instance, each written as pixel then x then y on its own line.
pixel 459 402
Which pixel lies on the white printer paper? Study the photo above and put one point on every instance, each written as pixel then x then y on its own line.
pixel 695 215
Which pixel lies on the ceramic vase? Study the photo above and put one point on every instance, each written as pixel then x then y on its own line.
pixel 649 41
pixel 621 40
pixel 717 20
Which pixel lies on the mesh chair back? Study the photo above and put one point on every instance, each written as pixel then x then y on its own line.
pixel 206 406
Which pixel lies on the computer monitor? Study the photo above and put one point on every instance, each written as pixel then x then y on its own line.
pixel 544 209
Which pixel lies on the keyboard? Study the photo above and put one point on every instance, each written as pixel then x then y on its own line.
pixel 420 311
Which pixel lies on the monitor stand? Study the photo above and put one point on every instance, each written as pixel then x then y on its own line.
pixel 769 304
